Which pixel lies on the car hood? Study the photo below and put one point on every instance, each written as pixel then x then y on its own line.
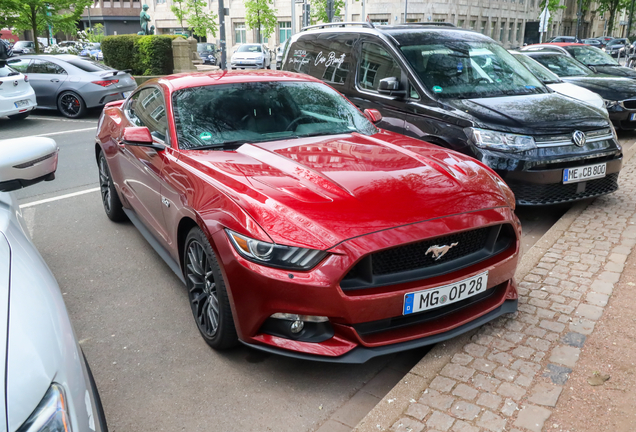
pixel 578 92
pixel 620 71
pixel 609 87
pixel 531 114
pixel 317 192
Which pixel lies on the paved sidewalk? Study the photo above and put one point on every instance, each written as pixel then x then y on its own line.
pixel 510 373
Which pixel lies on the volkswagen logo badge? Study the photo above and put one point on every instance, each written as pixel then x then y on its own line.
pixel 15 83
pixel 579 138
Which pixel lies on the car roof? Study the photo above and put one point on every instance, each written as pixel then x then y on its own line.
pixel 564 44
pixel 219 77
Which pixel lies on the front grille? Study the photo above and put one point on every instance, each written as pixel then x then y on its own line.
pixel 630 104
pixel 579 161
pixel 414 256
pixel 541 194
pixel 566 139
pixel 416 261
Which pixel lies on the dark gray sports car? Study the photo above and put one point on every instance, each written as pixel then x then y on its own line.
pixel 71 84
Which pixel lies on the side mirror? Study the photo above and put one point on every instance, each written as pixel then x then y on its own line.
pixel 140 137
pixel 26 161
pixel 373 115
pixel 390 86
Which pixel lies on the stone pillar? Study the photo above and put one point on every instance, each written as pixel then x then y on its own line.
pixel 182 55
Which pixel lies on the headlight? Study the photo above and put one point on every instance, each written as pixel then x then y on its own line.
pixel 51 415
pixel 493 140
pixel 274 255
pixel 610 104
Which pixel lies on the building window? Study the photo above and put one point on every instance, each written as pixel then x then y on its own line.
pixel 493 26
pixel 161 2
pixel 240 35
pixel 519 32
pixel 511 28
pixel 502 28
pixel 472 24
pixel 460 23
pixel 382 21
pixel 483 27
pixel 284 31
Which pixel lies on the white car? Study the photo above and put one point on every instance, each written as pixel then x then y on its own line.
pixel 251 56
pixel 46 383
pixel 551 80
pixel 17 98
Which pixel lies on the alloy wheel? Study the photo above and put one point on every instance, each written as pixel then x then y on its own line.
pixel 104 183
pixel 202 289
pixel 70 105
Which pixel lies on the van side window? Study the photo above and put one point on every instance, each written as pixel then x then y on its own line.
pixel 413 94
pixel 376 64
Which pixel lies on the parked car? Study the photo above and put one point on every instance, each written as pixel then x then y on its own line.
pixel 47 384
pixel 618 46
pixel 558 39
pixel 71 84
pixel 207 53
pixel 619 94
pixel 596 59
pixel 300 228
pixel 251 56
pixel 553 81
pixel 280 50
pixel 92 50
pixel 17 98
pixel 25 47
pixel 593 42
pixel 462 90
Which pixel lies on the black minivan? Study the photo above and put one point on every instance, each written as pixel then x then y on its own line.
pixel 462 90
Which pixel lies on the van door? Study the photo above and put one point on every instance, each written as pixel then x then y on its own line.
pixel 375 63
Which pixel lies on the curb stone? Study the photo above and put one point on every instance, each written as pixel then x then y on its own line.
pixel 523 359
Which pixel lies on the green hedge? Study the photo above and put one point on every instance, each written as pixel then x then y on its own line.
pixel 144 55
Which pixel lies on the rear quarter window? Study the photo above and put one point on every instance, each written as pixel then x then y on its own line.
pixel 326 57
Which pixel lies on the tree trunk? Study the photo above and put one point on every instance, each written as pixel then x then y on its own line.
pixel 258 15
pixel 34 28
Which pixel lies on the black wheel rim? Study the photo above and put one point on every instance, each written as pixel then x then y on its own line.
pixel 70 104
pixel 104 183
pixel 202 289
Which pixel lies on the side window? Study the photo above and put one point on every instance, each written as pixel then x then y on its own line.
pixel 20 65
pixel 45 67
pixel 413 94
pixel 147 108
pixel 376 64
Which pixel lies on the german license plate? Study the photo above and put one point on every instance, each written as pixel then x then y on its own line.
pixel 632 116
pixel 433 298
pixel 578 174
pixel 22 103
pixel 125 94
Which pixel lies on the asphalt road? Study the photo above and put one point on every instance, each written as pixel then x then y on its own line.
pixel 133 320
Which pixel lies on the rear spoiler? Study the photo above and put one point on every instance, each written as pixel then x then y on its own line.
pixel 104 75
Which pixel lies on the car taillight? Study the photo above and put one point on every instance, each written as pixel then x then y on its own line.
pixel 106 83
pixel 26 78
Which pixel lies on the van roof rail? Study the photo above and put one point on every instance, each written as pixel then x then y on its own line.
pixel 437 24
pixel 340 24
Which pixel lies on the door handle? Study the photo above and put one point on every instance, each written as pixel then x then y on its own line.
pixel 55 80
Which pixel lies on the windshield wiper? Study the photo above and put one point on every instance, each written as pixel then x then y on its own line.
pixel 231 145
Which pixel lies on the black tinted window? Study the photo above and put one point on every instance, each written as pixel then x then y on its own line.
pixel 89 65
pixel 45 67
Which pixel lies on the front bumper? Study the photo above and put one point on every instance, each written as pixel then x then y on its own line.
pixel 245 64
pixel 536 176
pixel 365 323
pixel 621 116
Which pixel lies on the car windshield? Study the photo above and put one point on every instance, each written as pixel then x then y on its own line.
pixel 562 65
pixel 89 65
pixel 204 47
pixel 539 71
pixel 460 69
pixel 591 56
pixel 226 116
pixel 249 48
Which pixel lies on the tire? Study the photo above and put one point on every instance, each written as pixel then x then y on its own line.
pixel 20 116
pixel 206 289
pixel 110 200
pixel 71 105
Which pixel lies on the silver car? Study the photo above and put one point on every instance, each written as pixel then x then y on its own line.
pixel 46 384
pixel 251 56
pixel 71 84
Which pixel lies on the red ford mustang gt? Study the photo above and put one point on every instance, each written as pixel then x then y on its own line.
pixel 300 228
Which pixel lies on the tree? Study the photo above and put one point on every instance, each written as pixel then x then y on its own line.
pixel 42 15
pixel 199 20
pixel 611 6
pixel 179 10
pixel 319 10
pixel 553 6
pixel 260 15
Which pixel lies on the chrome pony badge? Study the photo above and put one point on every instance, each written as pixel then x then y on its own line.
pixel 579 138
pixel 440 251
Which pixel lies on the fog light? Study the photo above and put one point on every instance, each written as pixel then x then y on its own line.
pixel 294 317
pixel 296 326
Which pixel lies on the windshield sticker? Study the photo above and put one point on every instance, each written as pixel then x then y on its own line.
pixel 205 136
pixel 437 89
pixel 460 67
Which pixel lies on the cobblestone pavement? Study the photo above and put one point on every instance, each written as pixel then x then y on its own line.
pixel 512 371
